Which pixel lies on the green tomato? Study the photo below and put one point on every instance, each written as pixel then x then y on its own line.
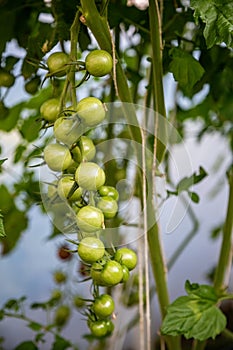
pixel 91 111
pixel 89 176
pixel 103 306
pixel 109 207
pixel 62 315
pixel 56 295
pixel 90 219
pixel 109 191
pixel 57 157
pixel 127 257
pixel 99 328
pixel 112 273
pixel 99 63
pixel 57 62
pixel 66 130
pixel 65 184
pixel 126 274
pixel 87 148
pixel 49 110
pixel 78 301
pixel 96 272
pixel 6 78
pixel 59 277
pixel 31 86
pixel 91 249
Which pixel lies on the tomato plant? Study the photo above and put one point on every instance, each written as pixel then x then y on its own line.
pixel 108 145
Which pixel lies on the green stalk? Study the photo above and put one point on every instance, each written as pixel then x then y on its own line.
pixel 157 69
pixel 221 279
pixel 99 28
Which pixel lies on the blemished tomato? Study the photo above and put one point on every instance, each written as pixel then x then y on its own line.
pixel 65 184
pixel 109 206
pixel 62 315
pixel 89 176
pixel 91 111
pixel 90 219
pixel 66 130
pixel 57 157
pixel 49 110
pixel 112 273
pixel 57 62
pixel 109 191
pixel 6 78
pixel 127 257
pixel 99 63
pixel 103 306
pixel 91 249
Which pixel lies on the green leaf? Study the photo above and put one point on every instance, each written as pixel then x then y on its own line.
pixel 186 69
pixel 29 345
pixel 217 16
pixel 30 128
pixel 2 229
pixel 60 343
pixel 194 196
pixel 195 315
pixel 12 118
pixel 203 291
pixel 35 326
pixel 195 178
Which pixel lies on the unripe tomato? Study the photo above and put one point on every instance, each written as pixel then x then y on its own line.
pixel 6 78
pixel 31 86
pixel 127 257
pixel 96 273
pixel 109 191
pixel 126 274
pixel 59 277
pixel 57 157
pixel 103 306
pixel 78 301
pixel 91 111
pixel 56 294
pixel 62 315
pixel 76 154
pixel 99 63
pixel 66 130
pixel 49 110
pixel 99 328
pixel 108 206
pixel 112 273
pixel 57 62
pixel 89 176
pixel 91 249
pixel 64 186
pixel 90 219
pixel 87 148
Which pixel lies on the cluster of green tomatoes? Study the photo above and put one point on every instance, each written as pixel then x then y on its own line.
pixel 81 183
